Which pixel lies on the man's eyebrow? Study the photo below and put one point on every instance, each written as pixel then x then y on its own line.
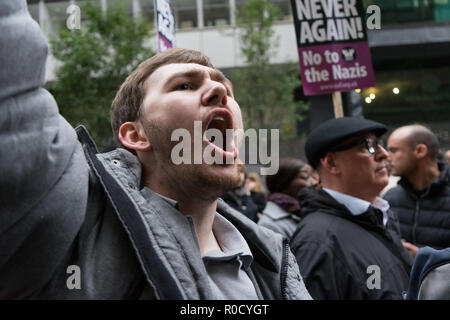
pixel 215 75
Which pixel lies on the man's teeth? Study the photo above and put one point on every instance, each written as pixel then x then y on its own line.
pixel 219 118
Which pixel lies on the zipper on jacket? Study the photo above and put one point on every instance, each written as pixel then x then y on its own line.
pixel 416 215
pixel 284 268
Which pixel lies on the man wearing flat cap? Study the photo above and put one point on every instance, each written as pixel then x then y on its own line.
pixel 347 244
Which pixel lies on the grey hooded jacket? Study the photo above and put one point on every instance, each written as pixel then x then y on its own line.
pixel 65 209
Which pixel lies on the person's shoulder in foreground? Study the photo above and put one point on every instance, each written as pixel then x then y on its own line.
pixel 430 275
pixel 129 223
pixel 344 243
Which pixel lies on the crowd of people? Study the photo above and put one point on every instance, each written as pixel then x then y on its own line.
pixel 138 226
pixel 352 205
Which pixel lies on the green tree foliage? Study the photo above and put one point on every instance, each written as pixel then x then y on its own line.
pixel 265 92
pixel 94 62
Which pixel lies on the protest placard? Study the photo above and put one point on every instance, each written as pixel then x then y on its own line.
pixel 165 25
pixel 332 46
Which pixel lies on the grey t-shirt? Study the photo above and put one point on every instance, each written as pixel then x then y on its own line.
pixel 227 268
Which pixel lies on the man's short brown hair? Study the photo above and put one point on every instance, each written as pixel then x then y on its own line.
pixel 126 105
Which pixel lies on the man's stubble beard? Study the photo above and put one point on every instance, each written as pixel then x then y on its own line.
pixel 214 184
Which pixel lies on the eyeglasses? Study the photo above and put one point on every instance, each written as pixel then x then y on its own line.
pixel 370 143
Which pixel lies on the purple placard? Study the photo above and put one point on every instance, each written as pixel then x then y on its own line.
pixel 335 67
pixel 165 25
pixel 332 46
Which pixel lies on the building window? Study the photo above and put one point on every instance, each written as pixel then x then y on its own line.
pixel 216 12
pixel 284 7
pixel 185 13
pixel 148 10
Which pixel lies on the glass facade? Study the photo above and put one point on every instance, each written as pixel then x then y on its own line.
pixel 400 11
pixel 412 83
pixel 213 13
pixel 401 95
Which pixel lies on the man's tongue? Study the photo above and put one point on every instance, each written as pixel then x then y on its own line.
pixel 218 124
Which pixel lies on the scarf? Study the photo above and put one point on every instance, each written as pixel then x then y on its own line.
pixel 286 202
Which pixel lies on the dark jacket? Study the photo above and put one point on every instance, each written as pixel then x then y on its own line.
pixel 63 205
pixel 425 219
pixel 259 199
pixel 242 202
pixel 338 252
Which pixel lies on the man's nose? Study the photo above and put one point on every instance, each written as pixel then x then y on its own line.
pixel 215 94
pixel 389 156
pixel 381 153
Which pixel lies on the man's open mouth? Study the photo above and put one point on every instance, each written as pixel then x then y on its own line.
pixel 219 133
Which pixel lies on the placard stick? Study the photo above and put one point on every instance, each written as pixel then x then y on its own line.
pixel 337 104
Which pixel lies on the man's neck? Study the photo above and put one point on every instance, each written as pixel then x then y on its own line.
pixel 203 214
pixel 202 209
pixel 423 175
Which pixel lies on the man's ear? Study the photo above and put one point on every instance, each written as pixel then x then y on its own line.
pixel 328 163
pixel 421 151
pixel 132 136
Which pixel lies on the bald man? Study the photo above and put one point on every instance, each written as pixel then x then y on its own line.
pixel 422 197
pixel 447 157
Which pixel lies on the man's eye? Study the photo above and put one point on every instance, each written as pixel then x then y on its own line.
pixel 184 86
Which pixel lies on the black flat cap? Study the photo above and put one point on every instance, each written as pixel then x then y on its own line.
pixel 332 131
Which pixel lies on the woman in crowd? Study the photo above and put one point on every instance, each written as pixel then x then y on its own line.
pixel 282 211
